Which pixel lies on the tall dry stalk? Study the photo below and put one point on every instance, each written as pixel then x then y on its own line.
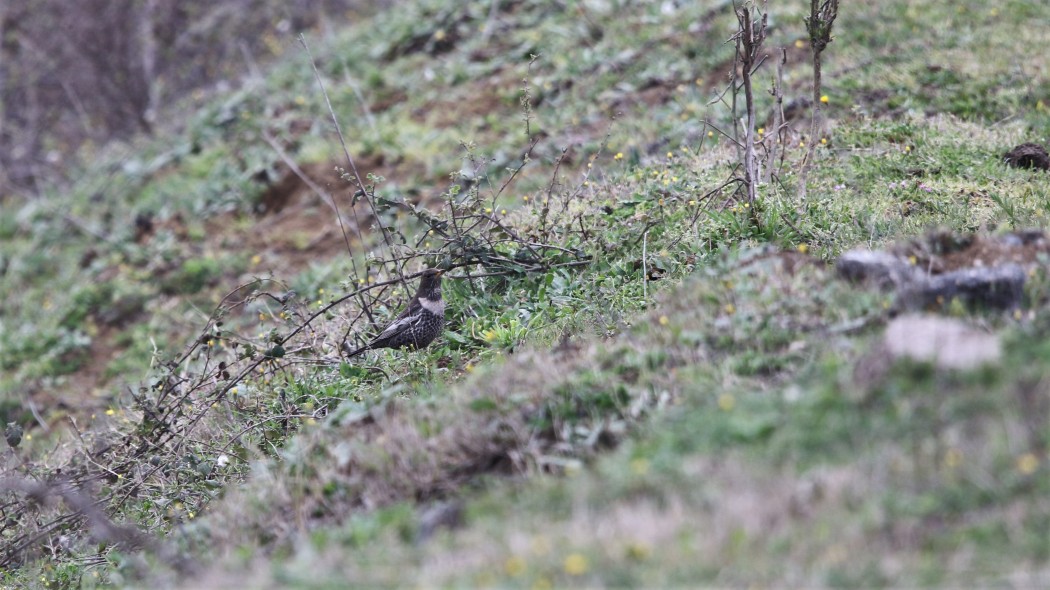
pixel 749 38
pixel 818 24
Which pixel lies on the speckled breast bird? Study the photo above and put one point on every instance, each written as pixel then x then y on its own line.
pixel 418 325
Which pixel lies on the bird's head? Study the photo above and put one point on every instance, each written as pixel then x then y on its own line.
pixel 430 284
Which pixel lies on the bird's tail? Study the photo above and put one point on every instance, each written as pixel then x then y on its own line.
pixel 350 352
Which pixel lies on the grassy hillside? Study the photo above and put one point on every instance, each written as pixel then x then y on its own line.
pixel 657 383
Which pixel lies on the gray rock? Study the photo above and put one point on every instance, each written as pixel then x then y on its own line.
pixel 1000 287
pixel 946 343
pixel 880 268
pixel 1021 238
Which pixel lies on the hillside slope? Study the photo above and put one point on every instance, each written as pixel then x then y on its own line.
pixel 645 380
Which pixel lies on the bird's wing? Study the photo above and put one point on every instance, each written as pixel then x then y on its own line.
pixel 413 309
pixel 398 325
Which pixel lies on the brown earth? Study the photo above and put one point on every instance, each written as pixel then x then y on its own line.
pixel 942 252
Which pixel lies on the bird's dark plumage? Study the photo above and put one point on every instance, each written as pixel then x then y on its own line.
pixel 418 325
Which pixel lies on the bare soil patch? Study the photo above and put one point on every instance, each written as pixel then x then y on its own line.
pixel 942 252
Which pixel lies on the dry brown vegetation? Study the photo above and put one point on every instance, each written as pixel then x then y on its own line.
pixel 118 64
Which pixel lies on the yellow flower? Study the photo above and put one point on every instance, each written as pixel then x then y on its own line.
pixel 300 100
pixel 823 141
pixel 469 368
pixel 256 260
pixel 710 133
pixel 726 402
pixel 488 209
pixel 439 35
pixel 576 564
pixel 638 551
pixel 542 584
pixel 953 458
pixel 524 198
pixel 514 566
pixel 730 308
pixel 803 248
pixel 824 99
pixel 664 321
pixel 110 412
pixel 670 154
pixel 761 130
pixel 1027 463
pixel 618 156
pixel 799 44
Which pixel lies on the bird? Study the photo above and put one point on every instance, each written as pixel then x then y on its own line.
pixel 418 325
